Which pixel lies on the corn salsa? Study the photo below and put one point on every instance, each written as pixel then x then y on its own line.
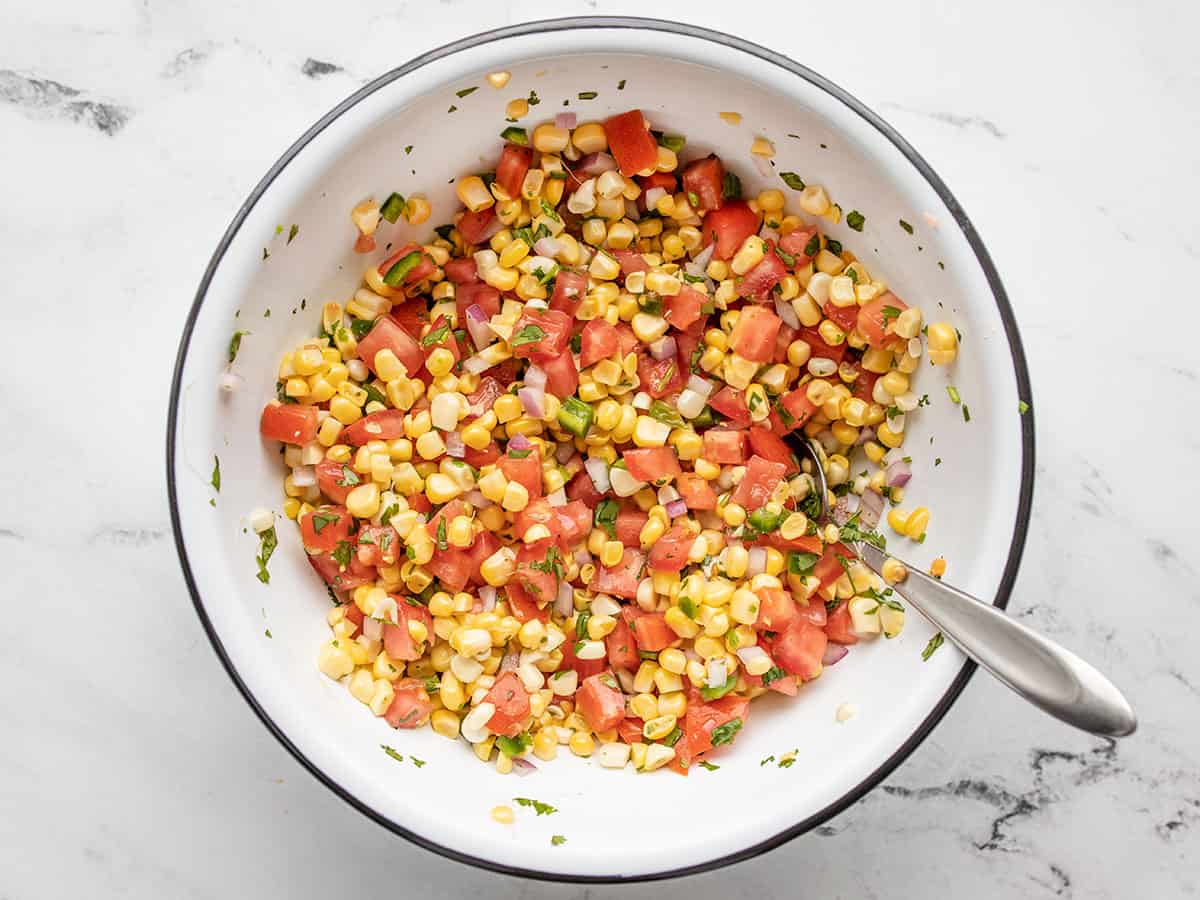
pixel 539 459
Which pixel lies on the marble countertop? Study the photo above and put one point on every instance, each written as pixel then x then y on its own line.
pixel 132 130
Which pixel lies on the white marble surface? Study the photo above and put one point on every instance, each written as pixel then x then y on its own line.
pixel 132 130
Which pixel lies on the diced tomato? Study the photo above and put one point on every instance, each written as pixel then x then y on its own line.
pixel 474 225
pixel 652 464
pixel 783 340
pixel 776 609
pixel 481 458
pixel 695 491
pixel 325 527
pixel 524 607
pixel 411 316
pixel 785 685
pixel 600 702
pixel 863 386
pixel 630 521
pixel 761 280
pixel 511 700
pixel 410 704
pixel 754 334
pixel 665 180
pixel 660 377
pixel 584 667
pixel 353 614
pixel 289 422
pixel 798 407
pixel 397 639
pixel 420 271
pixel 476 293
pixel 622 647
pixel 701 719
pixel 387 334
pixel 829 568
pixel 799 649
pixel 583 489
pixel 622 579
pixel 447 514
pixel 629 729
pixel 729 226
pixel 838 627
pixel 484 546
pixel 670 552
pixel 598 341
pixel 845 317
pixel 574 522
pixel 814 611
pixel 331 573
pixel 420 503
pixel 378 545
pixel 726 446
pixel 569 288
pixel 652 632
pixel 562 378
pixel 806 543
pixel 770 446
pixel 364 243
pixel 510 171
pixel 485 395
pixel 684 308
pixel 540 582
pixel 877 328
pixel 431 342
pixel 820 349
pixel 731 404
pixel 631 143
pixel 527 470
pixel 568 523
pixel 706 179
pixel 461 271
pixel 631 261
pixel 384 425
pixel 452 567
pixel 795 242
pixel 541 335
pixel 759 483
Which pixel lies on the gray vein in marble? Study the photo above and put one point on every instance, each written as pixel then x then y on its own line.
pixel 1187 816
pixel 187 59
pixel 41 95
pixel 7 534
pixel 956 120
pixel 1165 555
pixel 315 68
pixel 127 537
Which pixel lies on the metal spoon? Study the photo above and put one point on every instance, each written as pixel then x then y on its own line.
pixel 1038 669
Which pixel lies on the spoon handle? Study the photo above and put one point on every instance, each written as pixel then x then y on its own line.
pixel 1038 669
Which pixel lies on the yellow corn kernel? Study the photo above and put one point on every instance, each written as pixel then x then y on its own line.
pixel 897 519
pixel 549 138
pixel 733 515
pixel 943 343
pixel 581 744
pixel 893 571
pixel 363 501
pixel 678 621
pixel 887 437
pixel 658 728
pixel 917 523
pixel 748 256
pixel 938 567
pixel 762 147
pixel 473 193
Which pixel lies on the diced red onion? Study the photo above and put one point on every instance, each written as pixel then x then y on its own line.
pixel 703 258
pixel 833 653
pixel 563 452
pixel 582 557
pixel 557 498
pixel 476 365
pixel 476 499
pixel 762 164
pixel 565 120
pixel 784 310
pixel 454 444
pixel 534 401
pixel 653 196
pixel 535 377
pixel 897 474
pixel 564 601
pixel 632 212
pixel 716 673
pixel 871 508
pixel 522 766
pixel 229 382
pixel 676 508
pixel 663 348
pixel 867 434
pixel 768 234
pixel 304 476
pixel 701 386
pixel 596 164
pixel 841 510
pixel 493 228
pixel 372 628
pixel 597 470
pixel 691 655
pixel 548 246
pixel 749 654
pixel 758 561
pixel 519 442
pixel 487 596
pixel 477 325
pixel 511 660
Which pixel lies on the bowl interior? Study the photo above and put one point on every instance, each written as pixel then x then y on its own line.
pixel 414 134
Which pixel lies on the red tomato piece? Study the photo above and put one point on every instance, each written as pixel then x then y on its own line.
pixel 761 280
pixel 600 702
pixel 631 261
pixel 829 568
pixel 725 446
pixel 731 404
pixel 410 704
pixel 452 567
pixel 770 446
pixel 537 565
pixel 569 288
pixel 526 469
pixel 481 458
pixel 684 308
pixel 476 293
pixel 754 334
pixel 484 546
pixel 387 334
pixel 820 349
pixel 524 607
pixel 574 522
pixel 838 626
pixel 364 243
pixel 474 225
pixel 702 719
pixel 541 335
pixel 776 609
pixel 630 522
pixel 629 729
pixel 483 397
pixel 511 700
pixel 660 377
pixel 795 242
pixel 289 422
pixel 461 271
pixel 431 342
pixel 814 611
pixel 598 341
pixel 584 667
pixel 729 226
pixel 844 317
pixel 423 269
pixel 783 340
pixel 397 639
pixel 759 483
pixel 695 491
pixel 706 179
pixel 378 545
pixel 622 579
pixel 622 647
pixel 385 425
pixel 799 649
pixel 510 171
pixel 562 377
pixel 325 527
pixel 863 386
pixel 876 326
pixel 653 633
pixel 631 143
pixel 652 464
pixel 412 317
pixel 583 489
pixel 798 407
pixel 670 552
pixel 331 572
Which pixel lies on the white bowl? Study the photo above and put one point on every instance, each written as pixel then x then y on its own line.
pixel 618 825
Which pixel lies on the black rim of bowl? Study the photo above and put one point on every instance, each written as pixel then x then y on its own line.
pixel 960 217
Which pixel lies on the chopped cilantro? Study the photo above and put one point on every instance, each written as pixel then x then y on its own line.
pixel 588 95
pixel 934 642
pixel 349 477
pixel 530 334
pixel 416 762
pixel 216 475
pixel 966 413
pixel 1022 407
pixel 515 135
pixel 731 187
pixel 466 92
pixel 235 344
pixel 442 544
pixel 557 840
pixel 855 220
pixel 436 336
pixel 391 752
pixel 767 759
pixel 792 180
pixel 724 734
pixel 906 226
pixel 834 247
pixel 673 738
pixel 802 563
pixel 267 544
pixel 955 396
pixel 388 513
pixel 606 516
pixel 773 674
pixel 704 763
pixel 341 553
pixel 321 520
pixel 621 85
pixel 542 809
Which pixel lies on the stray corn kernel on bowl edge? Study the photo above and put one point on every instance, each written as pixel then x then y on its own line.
pixel 415 130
